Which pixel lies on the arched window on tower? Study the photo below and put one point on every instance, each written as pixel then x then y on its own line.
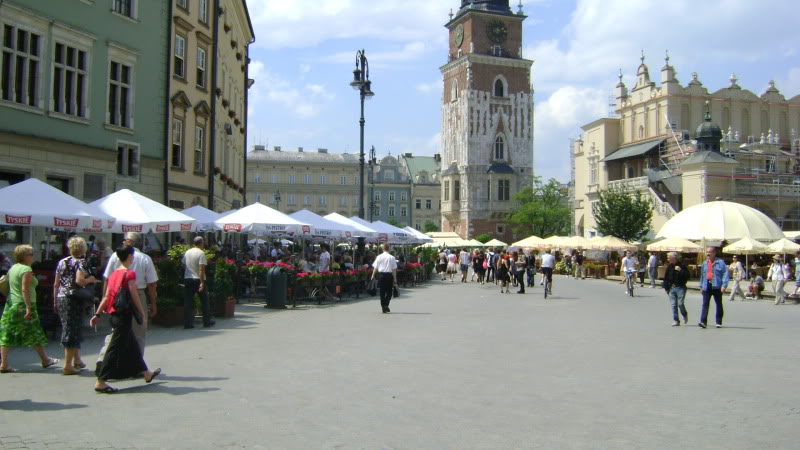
pixel 454 91
pixel 499 149
pixel 499 88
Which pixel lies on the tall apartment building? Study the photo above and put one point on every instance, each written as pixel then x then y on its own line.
pixel 426 193
pixel 390 193
pixel 83 96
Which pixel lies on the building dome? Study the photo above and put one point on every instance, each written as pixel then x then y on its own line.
pixel 389 160
pixel 709 129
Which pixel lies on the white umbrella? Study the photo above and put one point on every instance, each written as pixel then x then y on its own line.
pixel 323 227
pixel 137 213
pixel 611 243
pixel 393 235
pixel 420 236
pixel 721 221
pixel 782 247
pixel 675 245
pixel 204 218
pixel 362 231
pixel 496 243
pixel 529 242
pixel 35 203
pixel 261 219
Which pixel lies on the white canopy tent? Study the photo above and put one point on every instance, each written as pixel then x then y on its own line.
pixel 260 220
pixel 421 238
pixel 393 235
pixel 364 231
pixel 324 228
pixel 35 203
pixel 136 213
pixel 204 218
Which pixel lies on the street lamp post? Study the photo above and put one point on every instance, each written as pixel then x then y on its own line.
pixel 362 84
pixel 373 161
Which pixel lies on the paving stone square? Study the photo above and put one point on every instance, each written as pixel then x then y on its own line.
pixel 454 366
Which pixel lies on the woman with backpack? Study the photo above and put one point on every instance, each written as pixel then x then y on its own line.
pixel 123 358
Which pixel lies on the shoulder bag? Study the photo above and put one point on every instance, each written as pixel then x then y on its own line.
pixel 122 301
pixel 4 285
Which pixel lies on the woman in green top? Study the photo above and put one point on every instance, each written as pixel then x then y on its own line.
pixel 20 326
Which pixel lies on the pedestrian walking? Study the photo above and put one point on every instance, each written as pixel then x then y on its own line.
pixel 479 266
pixel 72 274
pixel 491 266
pixel 714 279
pixel 386 266
pixel 503 273
pixel 674 282
pixel 641 268
pixel 737 275
pixel 531 269
pixel 194 282
pixel 441 267
pixel 777 275
pixel 521 262
pixel 580 272
pixel 652 269
pixel 19 325
pixel 452 266
pixel 122 357
pixel 463 260
pixel 796 274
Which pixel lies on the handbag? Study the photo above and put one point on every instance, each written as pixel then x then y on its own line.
pixel 372 287
pixel 122 301
pixel 5 286
pixel 395 292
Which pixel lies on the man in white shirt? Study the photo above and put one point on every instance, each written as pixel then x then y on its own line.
pixel 652 269
pixel 464 259
pixel 324 259
pixel 146 281
pixel 194 281
pixel 629 264
pixel 548 264
pixel 386 266
pixel 276 252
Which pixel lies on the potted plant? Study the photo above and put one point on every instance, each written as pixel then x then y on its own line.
pixel 170 312
pixel 220 292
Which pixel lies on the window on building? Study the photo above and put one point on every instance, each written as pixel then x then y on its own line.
pixel 403 196
pixel 183 4
pixel 356 201
pixel 70 80
pixel 201 68
pixel 357 180
pixel 307 179
pixel 501 229
pixel 322 179
pixel 202 11
pixel 388 175
pixel 343 180
pixel 290 199
pixel 418 204
pixel 342 201
pixel 456 190
pixel 180 56
pixel 60 183
pixel 199 148
pixel 403 211
pixel 391 211
pixel 499 148
pixel 292 179
pixel 257 178
pixel 391 196
pixel 93 187
pixel 503 190
pixel 488 190
pixel 177 143
pixel 378 196
pixel 119 94
pixel 258 198
pixel 307 200
pixel 322 200
pixel 428 204
pixel 274 179
pixel 19 77
pixel 125 7
pixel 128 160
pixel 377 209
pixel 176 204
pixel 447 191
pixel 499 88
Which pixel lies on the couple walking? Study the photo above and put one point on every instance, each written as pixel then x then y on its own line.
pixel 714 278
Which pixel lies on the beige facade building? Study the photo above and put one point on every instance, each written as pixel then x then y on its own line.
pixel 191 96
pixel 318 181
pixel 666 144
pixel 426 193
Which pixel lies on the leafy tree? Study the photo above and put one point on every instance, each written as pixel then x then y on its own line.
pixel 623 214
pixel 430 227
pixel 483 238
pixel 543 210
pixel 393 222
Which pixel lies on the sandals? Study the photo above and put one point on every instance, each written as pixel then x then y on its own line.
pixel 50 363
pixel 9 370
pixel 106 390
pixel 155 374
pixel 71 372
pixel 82 365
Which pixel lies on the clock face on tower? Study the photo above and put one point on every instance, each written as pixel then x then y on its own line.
pixel 497 31
pixel 459 35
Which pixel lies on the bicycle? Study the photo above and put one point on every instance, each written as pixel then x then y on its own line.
pixel 629 283
pixel 547 286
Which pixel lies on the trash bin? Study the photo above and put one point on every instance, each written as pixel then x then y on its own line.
pixel 276 288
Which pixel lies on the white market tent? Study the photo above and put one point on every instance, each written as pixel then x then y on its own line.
pixel 262 220
pixel 782 247
pixel 674 245
pixel 420 237
pixel 136 213
pixel 204 218
pixel 393 234
pixel 323 228
pixel 496 243
pixel 721 221
pixel 746 246
pixel 361 230
pixel 35 203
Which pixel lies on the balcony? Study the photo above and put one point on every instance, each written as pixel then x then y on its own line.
pixel 631 184
pixel 768 189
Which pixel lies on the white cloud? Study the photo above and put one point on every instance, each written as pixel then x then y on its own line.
pixel 409 52
pixel 433 86
pixel 270 90
pixel 789 84
pixel 417 145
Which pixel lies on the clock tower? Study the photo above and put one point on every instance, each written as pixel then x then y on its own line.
pixel 487 119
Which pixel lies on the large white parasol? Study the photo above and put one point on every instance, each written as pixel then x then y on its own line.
pixel 721 221
pixel 136 213
pixel 262 220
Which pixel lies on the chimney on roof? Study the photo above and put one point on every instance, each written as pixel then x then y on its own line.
pixel 277 148
pixel 322 150
pixel 259 148
pixel 300 149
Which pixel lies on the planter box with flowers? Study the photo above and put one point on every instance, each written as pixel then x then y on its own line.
pixel 221 272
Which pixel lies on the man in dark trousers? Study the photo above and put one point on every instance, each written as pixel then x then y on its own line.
pixel 385 266
pixel 675 284
pixel 714 279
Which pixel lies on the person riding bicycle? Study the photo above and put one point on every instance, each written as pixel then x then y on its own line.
pixel 548 264
pixel 629 267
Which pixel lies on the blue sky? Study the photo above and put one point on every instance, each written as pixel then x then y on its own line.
pixel 305 51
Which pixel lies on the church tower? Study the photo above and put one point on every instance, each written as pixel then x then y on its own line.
pixel 487 119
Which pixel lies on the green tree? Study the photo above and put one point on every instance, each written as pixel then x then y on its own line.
pixel 430 227
pixel 393 222
pixel 542 210
pixel 623 214
pixel 483 238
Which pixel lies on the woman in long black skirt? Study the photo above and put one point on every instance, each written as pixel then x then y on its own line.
pixel 123 358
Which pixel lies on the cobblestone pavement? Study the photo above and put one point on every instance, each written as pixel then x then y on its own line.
pixel 454 366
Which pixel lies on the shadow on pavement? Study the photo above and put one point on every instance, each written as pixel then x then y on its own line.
pixel 410 314
pixel 162 388
pixel 175 378
pixel 29 405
